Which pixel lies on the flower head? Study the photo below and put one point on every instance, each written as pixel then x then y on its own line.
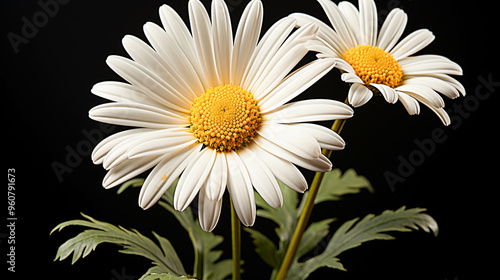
pixel 376 60
pixel 212 111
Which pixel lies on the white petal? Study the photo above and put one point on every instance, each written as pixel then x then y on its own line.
pixel 392 29
pixel 358 95
pixel 201 29
pixel 339 23
pixel 164 174
pixel 321 164
pixel 118 153
pixel 138 115
pixel 326 138
pixel 122 92
pixel 440 112
pixel 223 40
pixel 436 84
pixel 283 61
pixel 103 148
pixel 282 169
pixel 325 32
pixel 351 78
pixel 147 57
pixel 296 83
pixel 309 111
pixel 217 180
pixel 240 188
pixel 423 92
pixel 368 22
pixel 246 38
pixel 429 64
pixel 147 82
pixel 128 170
pixel 194 176
pixel 162 142
pixel 262 178
pixel 302 145
pixel 409 102
pixel 412 43
pixel 178 52
pixel 351 15
pixel 208 211
pixel 387 92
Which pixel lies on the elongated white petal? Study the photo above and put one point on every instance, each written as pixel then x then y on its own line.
pixel 320 164
pixel 412 43
pixel 201 30
pixel 137 115
pixel 128 170
pixel 424 92
pixel 147 82
pixel 122 92
pixel 440 112
pixel 302 145
pixel 358 95
pixel 429 64
pixel 162 142
pixel 326 138
pixel 240 188
pixel 409 103
pixel 179 53
pixel 388 93
pixel 217 180
pixel 266 50
pixel 351 78
pixel 147 57
pixel 194 176
pixel 165 173
pixel 309 111
pixel 368 22
pixel 283 61
pixel 439 85
pixel 208 210
pixel 339 23
pixel 102 149
pixel 118 153
pixel 296 83
pixel 282 169
pixel 245 40
pixel 351 15
pixel 222 39
pixel 392 29
pixel 262 178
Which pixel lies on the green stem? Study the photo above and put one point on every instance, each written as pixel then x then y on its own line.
pixel 306 214
pixel 236 242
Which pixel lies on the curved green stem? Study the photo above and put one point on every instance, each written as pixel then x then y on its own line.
pixel 236 242
pixel 306 214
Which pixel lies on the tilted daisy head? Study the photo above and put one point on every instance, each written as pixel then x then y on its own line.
pixel 376 60
pixel 213 111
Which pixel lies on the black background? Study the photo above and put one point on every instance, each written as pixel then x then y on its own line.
pixel 47 86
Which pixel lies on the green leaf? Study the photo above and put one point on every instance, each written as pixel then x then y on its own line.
pixel 353 233
pixel 132 241
pixel 265 248
pixel 163 276
pixel 335 184
pixel 207 264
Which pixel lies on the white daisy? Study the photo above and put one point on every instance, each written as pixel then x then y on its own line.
pixel 376 61
pixel 211 110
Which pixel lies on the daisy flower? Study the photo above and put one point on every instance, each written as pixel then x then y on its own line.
pixel 213 111
pixel 376 61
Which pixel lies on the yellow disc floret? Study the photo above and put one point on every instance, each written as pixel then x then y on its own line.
pixel 374 65
pixel 225 118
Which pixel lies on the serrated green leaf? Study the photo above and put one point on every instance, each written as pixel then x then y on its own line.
pixel 335 184
pixel 312 236
pixel 265 248
pixel 132 241
pixel 354 232
pixel 163 276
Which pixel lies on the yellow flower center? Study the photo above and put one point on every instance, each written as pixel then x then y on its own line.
pixel 374 65
pixel 225 118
